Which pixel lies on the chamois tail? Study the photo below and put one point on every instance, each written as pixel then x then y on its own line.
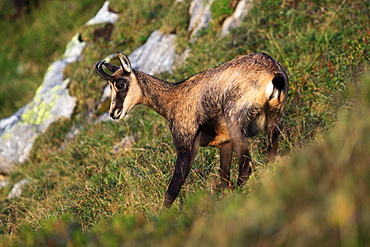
pixel 277 87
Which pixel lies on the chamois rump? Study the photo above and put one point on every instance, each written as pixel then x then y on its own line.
pixel 220 107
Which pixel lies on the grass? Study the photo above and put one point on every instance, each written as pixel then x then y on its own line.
pixel 81 193
pixel 32 42
pixel 220 11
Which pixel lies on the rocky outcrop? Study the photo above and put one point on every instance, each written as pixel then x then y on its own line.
pixel 50 103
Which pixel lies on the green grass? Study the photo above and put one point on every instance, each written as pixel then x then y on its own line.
pixel 220 10
pixel 81 193
pixel 30 43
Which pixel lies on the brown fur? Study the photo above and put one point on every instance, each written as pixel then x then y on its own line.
pixel 219 107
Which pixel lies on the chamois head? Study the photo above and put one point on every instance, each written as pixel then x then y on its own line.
pixel 123 83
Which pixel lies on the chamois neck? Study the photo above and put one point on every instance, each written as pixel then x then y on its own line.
pixel 157 93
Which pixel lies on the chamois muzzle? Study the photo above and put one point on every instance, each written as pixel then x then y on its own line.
pixel 99 70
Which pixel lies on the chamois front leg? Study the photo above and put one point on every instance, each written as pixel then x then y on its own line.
pixel 184 162
pixel 226 152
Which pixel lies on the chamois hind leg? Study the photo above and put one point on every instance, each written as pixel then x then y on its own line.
pixel 245 164
pixel 184 161
pixel 273 127
pixel 239 142
pixel 272 142
pixel 226 152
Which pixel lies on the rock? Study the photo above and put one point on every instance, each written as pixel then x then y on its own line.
pixel 74 49
pixel 200 17
pixel 104 15
pixel 4 181
pixel 236 19
pixel 126 144
pixel 104 117
pixel 18 188
pixel 157 55
pixel 50 103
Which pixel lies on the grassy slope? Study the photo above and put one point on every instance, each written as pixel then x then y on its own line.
pixel 117 198
pixel 30 43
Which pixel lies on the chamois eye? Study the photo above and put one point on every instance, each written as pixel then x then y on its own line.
pixel 121 86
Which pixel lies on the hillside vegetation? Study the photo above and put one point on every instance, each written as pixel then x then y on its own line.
pixel 82 193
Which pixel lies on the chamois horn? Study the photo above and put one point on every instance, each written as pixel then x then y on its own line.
pixel 99 70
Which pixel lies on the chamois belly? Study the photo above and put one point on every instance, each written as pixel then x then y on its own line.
pixel 214 134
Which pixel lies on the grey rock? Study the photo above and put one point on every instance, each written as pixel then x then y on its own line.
pixel 236 19
pixel 200 17
pixel 4 183
pixel 157 55
pixel 126 144
pixel 103 16
pixel 104 117
pixel 18 188
pixel 50 103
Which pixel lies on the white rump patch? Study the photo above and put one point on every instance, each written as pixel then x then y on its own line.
pixel 269 89
pixel 270 94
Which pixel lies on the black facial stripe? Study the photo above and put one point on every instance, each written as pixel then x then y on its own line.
pixel 120 98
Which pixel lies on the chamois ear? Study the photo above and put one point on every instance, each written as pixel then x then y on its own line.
pixel 112 68
pixel 125 62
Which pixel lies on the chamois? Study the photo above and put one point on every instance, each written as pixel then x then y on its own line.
pixel 220 107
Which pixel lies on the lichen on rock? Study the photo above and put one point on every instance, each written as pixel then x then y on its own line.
pixel 51 102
